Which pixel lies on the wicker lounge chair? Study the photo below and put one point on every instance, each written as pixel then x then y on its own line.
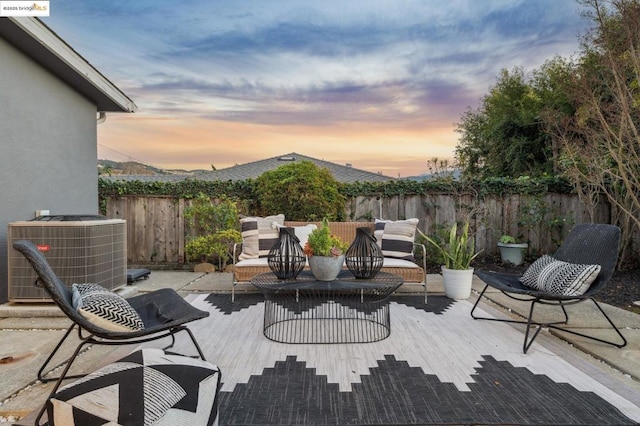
pixel 163 312
pixel 591 244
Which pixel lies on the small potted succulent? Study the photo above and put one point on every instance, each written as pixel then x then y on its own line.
pixel 511 251
pixel 325 253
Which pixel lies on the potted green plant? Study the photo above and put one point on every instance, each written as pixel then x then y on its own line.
pixel 325 253
pixel 511 251
pixel 456 252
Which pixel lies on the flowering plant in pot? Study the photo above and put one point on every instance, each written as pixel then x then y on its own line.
pixel 325 253
pixel 457 252
pixel 511 251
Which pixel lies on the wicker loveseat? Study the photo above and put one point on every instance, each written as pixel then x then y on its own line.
pixel 244 270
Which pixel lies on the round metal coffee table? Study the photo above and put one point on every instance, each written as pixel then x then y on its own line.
pixel 347 310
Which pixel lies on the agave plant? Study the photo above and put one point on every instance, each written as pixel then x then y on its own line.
pixel 459 251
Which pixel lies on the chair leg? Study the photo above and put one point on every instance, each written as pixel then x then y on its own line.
pixel 566 315
pixel 529 323
pixel 424 269
pixel 173 341
pixel 88 340
pixel 476 304
pixel 623 342
pixel 41 373
pixel 527 342
pixel 195 343
pixel 424 283
pixel 62 377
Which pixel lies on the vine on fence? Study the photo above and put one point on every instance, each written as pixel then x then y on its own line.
pixel 189 188
pixel 246 189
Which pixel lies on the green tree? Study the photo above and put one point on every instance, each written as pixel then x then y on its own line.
pixel 106 170
pixel 504 136
pixel 302 191
pixel 600 140
pixel 552 82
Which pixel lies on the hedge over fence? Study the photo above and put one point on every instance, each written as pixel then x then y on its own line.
pixel 245 190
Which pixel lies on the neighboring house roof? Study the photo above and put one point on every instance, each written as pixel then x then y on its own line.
pixel 147 178
pixel 35 39
pixel 344 174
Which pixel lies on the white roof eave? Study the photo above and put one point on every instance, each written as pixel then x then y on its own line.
pixel 55 54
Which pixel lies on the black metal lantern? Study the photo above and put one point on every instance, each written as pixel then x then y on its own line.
pixel 364 257
pixel 286 258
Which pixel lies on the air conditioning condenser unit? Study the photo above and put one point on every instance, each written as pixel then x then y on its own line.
pixel 78 250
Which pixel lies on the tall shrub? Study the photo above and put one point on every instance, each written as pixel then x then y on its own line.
pixel 214 230
pixel 301 191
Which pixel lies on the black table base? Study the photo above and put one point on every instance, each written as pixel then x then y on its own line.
pixel 347 310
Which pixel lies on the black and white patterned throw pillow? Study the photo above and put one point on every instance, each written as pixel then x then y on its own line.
pixel 105 309
pixel 530 276
pixel 567 279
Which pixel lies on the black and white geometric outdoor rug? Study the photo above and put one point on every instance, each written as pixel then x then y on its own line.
pixel 438 366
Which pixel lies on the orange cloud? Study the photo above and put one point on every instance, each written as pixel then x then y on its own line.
pixel 196 143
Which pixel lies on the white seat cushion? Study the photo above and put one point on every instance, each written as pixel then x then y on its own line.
pixel 392 262
pixel 262 261
pixel 389 262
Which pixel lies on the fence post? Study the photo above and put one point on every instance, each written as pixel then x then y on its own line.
pixel 181 225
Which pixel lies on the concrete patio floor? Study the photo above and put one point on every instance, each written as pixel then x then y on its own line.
pixel 28 332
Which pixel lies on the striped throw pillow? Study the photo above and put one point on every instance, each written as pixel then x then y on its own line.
pixel 259 235
pixel 396 238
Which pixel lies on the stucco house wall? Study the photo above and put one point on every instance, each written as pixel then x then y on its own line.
pixel 48 150
pixel 48 128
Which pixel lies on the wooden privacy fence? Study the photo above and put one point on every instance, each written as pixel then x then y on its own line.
pixel 156 229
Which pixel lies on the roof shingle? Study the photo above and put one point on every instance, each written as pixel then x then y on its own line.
pixel 343 174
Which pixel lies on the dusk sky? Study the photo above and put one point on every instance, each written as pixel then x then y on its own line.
pixel 378 84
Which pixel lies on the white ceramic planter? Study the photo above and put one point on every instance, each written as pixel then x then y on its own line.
pixel 512 253
pixel 326 268
pixel 457 283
